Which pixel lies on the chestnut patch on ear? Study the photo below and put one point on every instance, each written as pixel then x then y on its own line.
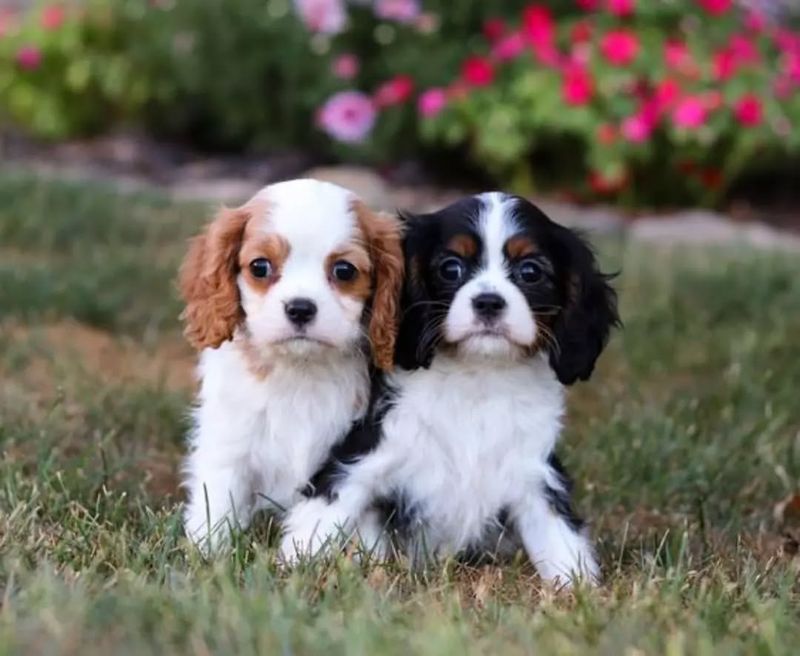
pixel 520 246
pixel 360 285
pixel 382 235
pixel 207 279
pixel 463 245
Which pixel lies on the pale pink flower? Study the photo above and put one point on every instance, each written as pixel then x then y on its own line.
pixel 346 66
pixel 431 102
pixel 347 116
pixel 402 11
pixel 690 112
pixel 322 16
pixel 53 17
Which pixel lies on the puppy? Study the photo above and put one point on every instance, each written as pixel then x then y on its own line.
pixel 283 297
pixel 501 309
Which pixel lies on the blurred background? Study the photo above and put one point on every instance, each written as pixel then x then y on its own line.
pixel 657 104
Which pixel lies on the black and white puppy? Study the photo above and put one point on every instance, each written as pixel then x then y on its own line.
pixel 501 309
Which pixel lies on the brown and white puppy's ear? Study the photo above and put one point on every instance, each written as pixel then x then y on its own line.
pixel 207 280
pixel 383 235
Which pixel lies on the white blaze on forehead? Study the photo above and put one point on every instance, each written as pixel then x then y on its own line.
pixel 313 216
pixel 496 226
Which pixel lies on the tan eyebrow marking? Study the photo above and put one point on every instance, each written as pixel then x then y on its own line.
pixel 520 246
pixel 463 245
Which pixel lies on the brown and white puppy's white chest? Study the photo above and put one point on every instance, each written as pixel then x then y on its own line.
pixel 287 298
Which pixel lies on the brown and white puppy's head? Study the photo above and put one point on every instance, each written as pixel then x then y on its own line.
pixel 302 268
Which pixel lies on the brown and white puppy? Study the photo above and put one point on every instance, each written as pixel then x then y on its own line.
pixel 286 297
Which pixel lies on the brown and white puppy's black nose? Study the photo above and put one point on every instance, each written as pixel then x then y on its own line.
pixel 300 311
pixel 488 306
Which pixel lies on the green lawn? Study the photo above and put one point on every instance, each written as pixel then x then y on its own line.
pixel 681 445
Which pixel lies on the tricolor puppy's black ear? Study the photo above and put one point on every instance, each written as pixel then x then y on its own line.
pixel 416 337
pixel 588 314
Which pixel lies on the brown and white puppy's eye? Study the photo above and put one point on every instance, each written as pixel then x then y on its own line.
pixel 452 269
pixel 344 271
pixel 261 267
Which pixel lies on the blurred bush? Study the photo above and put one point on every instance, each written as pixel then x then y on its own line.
pixel 644 102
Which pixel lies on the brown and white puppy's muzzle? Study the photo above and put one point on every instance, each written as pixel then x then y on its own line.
pixel 302 267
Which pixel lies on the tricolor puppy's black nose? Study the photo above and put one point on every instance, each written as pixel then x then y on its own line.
pixel 300 311
pixel 488 305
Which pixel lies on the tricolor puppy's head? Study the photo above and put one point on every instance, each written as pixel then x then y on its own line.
pixel 301 268
pixel 491 276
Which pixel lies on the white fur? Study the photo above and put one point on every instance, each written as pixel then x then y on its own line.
pixel 462 441
pixel 271 407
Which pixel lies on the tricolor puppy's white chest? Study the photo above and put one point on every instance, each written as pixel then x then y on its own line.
pixel 468 442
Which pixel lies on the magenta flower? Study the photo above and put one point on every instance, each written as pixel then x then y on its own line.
pixel 620 47
pixel 401 11
pixel 748 110
pixel 577 87
pixel 322 16
pixel 346 66
pixel 432 102
pixel 638 127
pixel 716 7
pixel 347 116
pixel 690 113
pixel 29 58
pixel 509 47
pixel 621 7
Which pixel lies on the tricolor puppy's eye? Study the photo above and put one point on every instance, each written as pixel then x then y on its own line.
pixel 528 271
pixel 261 267
pixel 452 269
pixel 343 271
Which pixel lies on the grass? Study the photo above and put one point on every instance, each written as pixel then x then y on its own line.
pixel 681 445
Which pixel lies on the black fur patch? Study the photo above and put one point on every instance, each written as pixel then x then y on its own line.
pixel 561 499
pixel 364 436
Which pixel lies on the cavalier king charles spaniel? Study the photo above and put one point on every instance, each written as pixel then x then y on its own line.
pixel 501 309
pixel 285 298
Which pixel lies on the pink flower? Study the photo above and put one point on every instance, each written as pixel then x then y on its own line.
pixel 725 64
pixel 690 113
pixel 748 110
pixel 322 16
pixel 621 7
pixel 493 29
pixel 639 127
pixel 29 58
pixel 743 49
pixel 588 5
pixel 581 32
pixel 666 94
pixel 394 91
pixel 477 72
pixel 577 86
pixel 676 54
pixel 715 7
pixel 620 47
pixel 793 67
pixel 347 116
pixel 755 21
pixel 402 11
pixel 537 25
pixel 509 47
pixel 7 21
pixel 346 66
pixel 432 102
pixel 52 17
